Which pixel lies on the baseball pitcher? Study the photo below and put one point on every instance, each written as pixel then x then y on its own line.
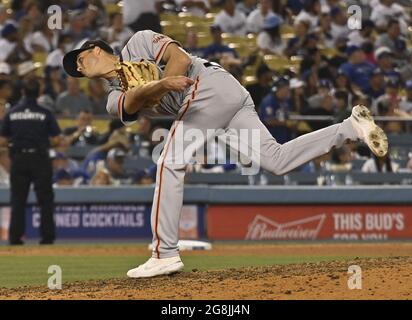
pixel 155 75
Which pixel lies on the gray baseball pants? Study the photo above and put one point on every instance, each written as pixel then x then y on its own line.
pixel 218 101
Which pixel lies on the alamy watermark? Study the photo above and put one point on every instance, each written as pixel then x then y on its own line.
pixel 355 17
pixel 355 278
pixel 181 146
pixel 55 280
pixel 55 20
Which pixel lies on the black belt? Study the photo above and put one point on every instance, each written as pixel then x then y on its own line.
pixel 212 64
pixel 28 150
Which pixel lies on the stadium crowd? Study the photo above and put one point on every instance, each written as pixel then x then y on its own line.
pixel 338 67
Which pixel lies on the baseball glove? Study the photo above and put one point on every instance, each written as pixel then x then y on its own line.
pixel 136 74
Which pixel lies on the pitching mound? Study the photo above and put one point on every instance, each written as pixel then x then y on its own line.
pixel 382 278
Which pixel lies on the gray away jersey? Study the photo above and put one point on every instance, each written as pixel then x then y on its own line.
pixel 150 46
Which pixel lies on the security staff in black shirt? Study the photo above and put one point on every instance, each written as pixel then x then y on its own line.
pixel 29 130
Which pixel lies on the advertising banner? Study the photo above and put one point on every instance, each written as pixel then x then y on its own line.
pixel 105 221
pixel 318 222
pixel 94 221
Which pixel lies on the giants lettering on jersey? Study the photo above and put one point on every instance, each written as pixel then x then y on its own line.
pixel 158 37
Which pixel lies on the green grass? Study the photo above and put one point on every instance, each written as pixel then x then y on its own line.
pixel 19 271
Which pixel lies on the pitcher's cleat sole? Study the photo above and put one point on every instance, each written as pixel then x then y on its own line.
pixel 370 133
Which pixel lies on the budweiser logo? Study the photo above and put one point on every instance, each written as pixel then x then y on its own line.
pixel 263 228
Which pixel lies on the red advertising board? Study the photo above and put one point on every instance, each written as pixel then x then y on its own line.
pixel 337 222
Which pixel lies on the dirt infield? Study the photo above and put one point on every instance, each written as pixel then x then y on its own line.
pixel 387 276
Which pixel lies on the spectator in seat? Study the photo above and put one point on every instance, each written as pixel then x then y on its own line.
pixel 380 164
pixel 145 177
pixel 322 103
pixel 26 71
pixel 275 108
pixel 269 40
pixel 61 161
pixel 389 105
pixel 342 82
pixel 311 79
pixel 82 132
pixel 73 100
pixel 115 165
pixel 325 87
pixel 311 12
pixel 263 86
pixel 256 20
pixel 295 6
pixel 343 109
pixel 376 86
pixel 359 37
pixel 385 61
pixel 10 44
pixel 78 26
pixel 43 40
pixel 98 96
pixel 102 176
pixel 230 19
pixel 217 49
pixel 64 45
pixel 339 23
pixel 118 32
pixel 386 10
pixel 357 69
pixel 325 30
pixel 393 40
pixel 341 160
pixel 95 15
pixel 62 178
pixel 118 139
pixel 318 164
pixel 54 84
pixel 298 95
pixel 296 45
pixel 191 45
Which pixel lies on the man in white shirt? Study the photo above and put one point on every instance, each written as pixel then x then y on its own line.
pixel 359 37
pixel 387 10
pixel 269 40
pixel 8 42
pixel 310 13
pixel 256 19
pixel 339 23
pixel 230 19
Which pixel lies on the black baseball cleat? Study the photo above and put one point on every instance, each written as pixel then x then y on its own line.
pixel 368 131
